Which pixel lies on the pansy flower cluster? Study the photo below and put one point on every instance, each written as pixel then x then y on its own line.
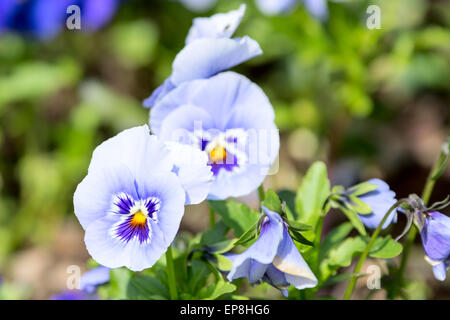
pixel 211 135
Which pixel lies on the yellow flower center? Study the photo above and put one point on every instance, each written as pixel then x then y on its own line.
pixel 218 155
pixel 138 219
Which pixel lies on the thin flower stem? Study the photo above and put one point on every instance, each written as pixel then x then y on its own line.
pixel 352 283
pixel 171 275
pixel 212 217
pixel 317 239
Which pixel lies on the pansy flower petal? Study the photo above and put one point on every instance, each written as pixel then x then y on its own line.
pixel 219 25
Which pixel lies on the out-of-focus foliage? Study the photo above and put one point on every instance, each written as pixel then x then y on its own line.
pixel 330 83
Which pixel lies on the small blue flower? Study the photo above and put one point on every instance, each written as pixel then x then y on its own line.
pixel 44 19
pixel 380 200
pixel 132 200
pixel 436 242
pixel 209 50
pixel 273 258
pixel 231 120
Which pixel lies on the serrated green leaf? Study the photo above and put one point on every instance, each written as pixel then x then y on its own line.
pixel 235 215
pixel 272 201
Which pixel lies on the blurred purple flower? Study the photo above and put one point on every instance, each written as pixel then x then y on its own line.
pixel 317 8
pixel 209 50
pixel 380 200
pixel 273 258
pixel 44 19
pixel 436 242
pixel 89 283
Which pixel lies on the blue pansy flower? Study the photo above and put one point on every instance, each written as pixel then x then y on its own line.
pixel 380 200
pixel 209 49
pixel 44 19
pixel 231 120
pixel 436 242
pixel 132 200
pixel 198 5
pixel 273 258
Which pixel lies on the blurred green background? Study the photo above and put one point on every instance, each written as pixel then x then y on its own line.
pixel 370 103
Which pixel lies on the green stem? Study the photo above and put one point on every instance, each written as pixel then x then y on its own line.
pixel 212 217
pixel 317 239
pixel 171 275
pixel 261 193
pixel 352 283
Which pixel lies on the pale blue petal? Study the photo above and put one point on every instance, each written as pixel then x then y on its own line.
pixel 436 236
pixel 220 25
pixel 203 58
pixel 198 5
pixel 93 197
pixel 439 271
pixel 290 261
pixel 136 149
pixel 159 92
pixel 380 200
pixel 191 165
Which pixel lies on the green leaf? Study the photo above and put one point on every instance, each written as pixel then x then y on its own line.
pixel 298 226
pixel 354 219
pixel 337 278
pixel 334 238
pixel 300 238
pixel 385 248
pixel 362 188
pixel 343 254
pixel 118 283
pixel 248 235
pixel 142 286
pixel 272 202
pixel 359 206
pixel 288 197
pixel 235 215
pixel 215 234
pixel 222 246
pixel 223 264
pixel 312 194
pixel 215 290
